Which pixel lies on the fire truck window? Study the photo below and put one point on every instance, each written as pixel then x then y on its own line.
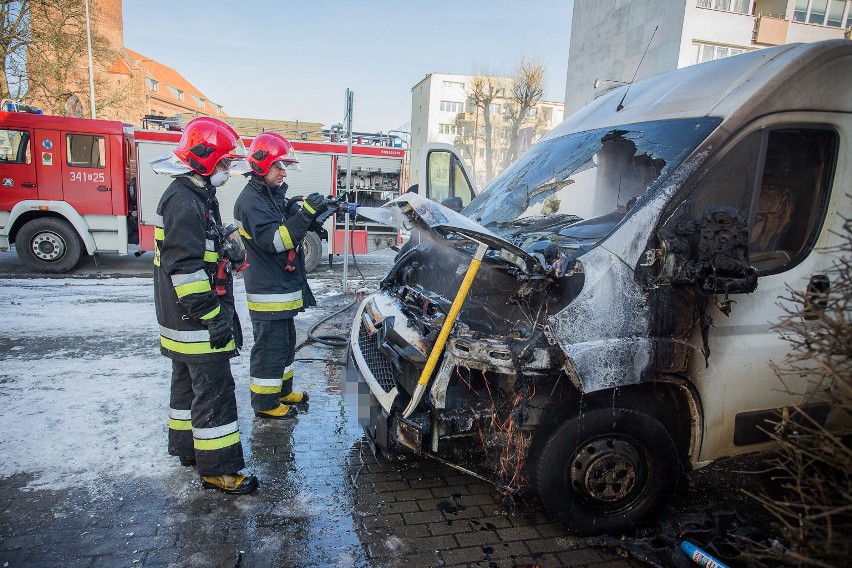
pixel 15 146
pixel 85 151
pixel 789 206
pixel 439 175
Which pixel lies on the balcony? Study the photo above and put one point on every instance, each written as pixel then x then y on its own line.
pixel 770 29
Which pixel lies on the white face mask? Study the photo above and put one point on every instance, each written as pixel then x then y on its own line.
pixel 219 178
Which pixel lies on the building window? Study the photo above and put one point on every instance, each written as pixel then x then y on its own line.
pixel 823 12
pixel 84 151
pixel 449 129
pixel 452 106
pixel 531 113
pixel 14 147
pixel 176 93
pixel 735 6
pixel 152 84
pixel 708 52
pixel 494 108
pixel 453 85
pixel 197 100
pixel 217 108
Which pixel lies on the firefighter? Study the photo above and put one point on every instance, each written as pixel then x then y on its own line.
pixel 276 285
pixel 199 330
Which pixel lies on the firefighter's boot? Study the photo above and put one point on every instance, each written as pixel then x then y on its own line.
pixel 283 412
pixel 233 484
pixel 300 397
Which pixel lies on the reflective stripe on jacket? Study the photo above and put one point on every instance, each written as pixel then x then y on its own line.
pixel 270 233
pixel 185 258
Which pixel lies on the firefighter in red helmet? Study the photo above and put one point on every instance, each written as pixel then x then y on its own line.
pixel 276 284
pixel 199 330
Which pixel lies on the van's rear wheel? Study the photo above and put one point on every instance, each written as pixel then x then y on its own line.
pixel 48 245
pixel 607 470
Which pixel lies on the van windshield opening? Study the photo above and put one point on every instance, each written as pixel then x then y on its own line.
pixel 593 175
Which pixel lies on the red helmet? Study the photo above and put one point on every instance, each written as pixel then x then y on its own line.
pixel 268 148
pixel 205 141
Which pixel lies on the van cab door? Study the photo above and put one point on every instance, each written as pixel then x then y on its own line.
pixel 17 167
pixel 444 177
pixel 86 180
pixel 786 174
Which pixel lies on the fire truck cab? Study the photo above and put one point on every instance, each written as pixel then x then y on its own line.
pixel 67 187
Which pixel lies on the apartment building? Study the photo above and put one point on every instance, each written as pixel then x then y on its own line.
pixel 441 111
pixel 609 37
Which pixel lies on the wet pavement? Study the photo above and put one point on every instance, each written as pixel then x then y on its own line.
pixel 85 480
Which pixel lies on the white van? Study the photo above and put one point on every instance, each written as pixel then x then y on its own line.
pixel 618 330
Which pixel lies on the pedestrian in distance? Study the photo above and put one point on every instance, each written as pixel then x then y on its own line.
pixel 273 228
pixel 199 329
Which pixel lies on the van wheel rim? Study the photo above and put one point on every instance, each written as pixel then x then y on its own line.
pixel 48 246
pixel 605 469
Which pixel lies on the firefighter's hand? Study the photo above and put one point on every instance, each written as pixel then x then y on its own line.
pixel 314 205
pixel 221 329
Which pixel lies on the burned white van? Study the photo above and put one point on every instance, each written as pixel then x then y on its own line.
pixel 598 319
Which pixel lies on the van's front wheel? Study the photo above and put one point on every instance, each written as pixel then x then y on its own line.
pixel 606 470
pixel 48 245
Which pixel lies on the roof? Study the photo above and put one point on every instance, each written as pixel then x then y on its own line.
pixel 737 88
pixel 166 76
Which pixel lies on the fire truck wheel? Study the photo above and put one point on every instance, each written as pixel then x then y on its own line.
pixel 313 251
pixel 606 470
pixel 48 245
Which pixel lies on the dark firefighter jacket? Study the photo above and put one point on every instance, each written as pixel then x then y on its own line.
pixel 276 283
pixel 186 245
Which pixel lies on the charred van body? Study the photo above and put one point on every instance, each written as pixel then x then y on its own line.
pixel 616 331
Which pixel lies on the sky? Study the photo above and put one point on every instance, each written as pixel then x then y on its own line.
pixel 294 60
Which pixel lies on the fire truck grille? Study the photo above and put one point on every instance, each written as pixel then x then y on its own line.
pixel 377 363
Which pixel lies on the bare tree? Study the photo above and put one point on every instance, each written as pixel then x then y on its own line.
pixel 484 89
pixel 526 91
pixel 53 33
pixel 14 37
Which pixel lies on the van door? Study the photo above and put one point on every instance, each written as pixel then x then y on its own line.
pixel 445 176
pixel 86 179
pixel 17 167
pixel 784 175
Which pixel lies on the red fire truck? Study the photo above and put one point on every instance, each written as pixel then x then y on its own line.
pixel 74 186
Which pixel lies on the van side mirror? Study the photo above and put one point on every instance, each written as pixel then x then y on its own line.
pixel 711 252
pixel 454 203
pixel 723 252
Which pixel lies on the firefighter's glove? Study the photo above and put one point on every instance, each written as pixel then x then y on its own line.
pixel 221 328
pixel 322 217
pixel 314 205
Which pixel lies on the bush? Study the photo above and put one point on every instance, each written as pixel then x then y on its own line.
pixel 814 465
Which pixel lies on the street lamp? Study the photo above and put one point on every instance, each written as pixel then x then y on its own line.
pixel 91 70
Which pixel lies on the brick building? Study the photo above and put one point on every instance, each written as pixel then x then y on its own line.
pixel 128 85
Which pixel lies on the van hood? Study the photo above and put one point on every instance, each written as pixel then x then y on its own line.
pixel 411 211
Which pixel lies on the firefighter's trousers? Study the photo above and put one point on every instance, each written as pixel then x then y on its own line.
pixel 272 358
pixel 203 417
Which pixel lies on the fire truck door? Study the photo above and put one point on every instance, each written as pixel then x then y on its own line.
pixel 85 173
pixel 17 167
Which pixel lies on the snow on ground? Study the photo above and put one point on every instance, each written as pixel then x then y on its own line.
pixel 83 387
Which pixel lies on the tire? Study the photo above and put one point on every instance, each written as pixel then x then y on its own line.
pixel 48 245
pixel 606 470
pixel 313 250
